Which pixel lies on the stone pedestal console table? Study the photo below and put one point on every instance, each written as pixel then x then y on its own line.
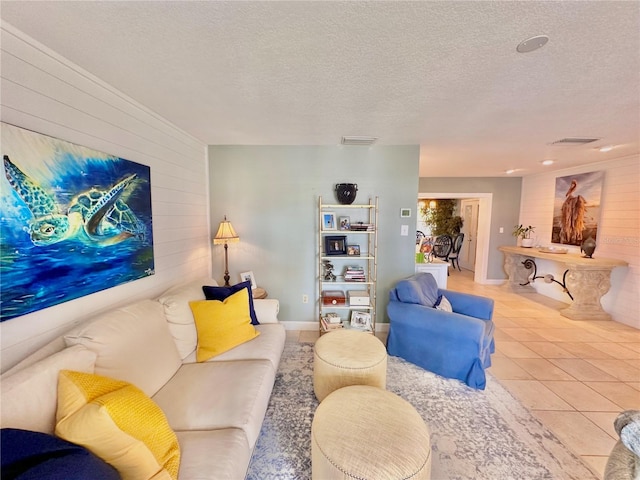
pixel 586 280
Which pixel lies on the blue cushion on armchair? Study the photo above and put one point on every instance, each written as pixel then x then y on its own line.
pixel 420 289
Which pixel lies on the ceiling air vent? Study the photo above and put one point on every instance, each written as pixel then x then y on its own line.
pixel 363 141
pixel 574 141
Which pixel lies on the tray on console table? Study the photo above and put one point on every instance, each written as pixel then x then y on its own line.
pixel 586 280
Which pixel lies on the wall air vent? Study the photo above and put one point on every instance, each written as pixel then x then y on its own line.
pixel 362 141
pixel 574 141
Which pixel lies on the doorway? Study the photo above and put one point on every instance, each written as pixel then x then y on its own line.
pixel 480 265
pixel 469 209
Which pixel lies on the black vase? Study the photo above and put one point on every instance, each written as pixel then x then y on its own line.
pixel 346 193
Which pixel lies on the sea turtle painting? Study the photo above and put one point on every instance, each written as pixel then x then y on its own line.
pixel 98 216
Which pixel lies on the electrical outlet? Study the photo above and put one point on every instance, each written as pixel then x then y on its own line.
pixel 404 230
pixel 305 298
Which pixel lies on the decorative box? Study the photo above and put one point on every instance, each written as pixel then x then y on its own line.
pixel 333 297
pixel 359 298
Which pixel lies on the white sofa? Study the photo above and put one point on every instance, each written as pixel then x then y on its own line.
pixel 216 407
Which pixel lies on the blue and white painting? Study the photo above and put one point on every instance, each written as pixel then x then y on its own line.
pixel 73 221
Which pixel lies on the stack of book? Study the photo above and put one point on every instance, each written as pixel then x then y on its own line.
pixel 331 321
pixel 361 227
pixel 354 274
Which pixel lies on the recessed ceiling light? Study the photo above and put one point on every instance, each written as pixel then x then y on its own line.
pixel 547 162
pixel 509 172
pixel 533 43
pixel 607 148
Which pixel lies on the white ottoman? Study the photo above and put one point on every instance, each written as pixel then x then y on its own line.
pixel 366 433
pixel 348 357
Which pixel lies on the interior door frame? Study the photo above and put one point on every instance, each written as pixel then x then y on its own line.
pixel 484 228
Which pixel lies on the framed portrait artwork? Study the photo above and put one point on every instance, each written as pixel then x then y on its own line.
pixel 329 221
pixel 361 320
pixel 335 245
pixel 353 250
pixel 248 277
pixel 345 223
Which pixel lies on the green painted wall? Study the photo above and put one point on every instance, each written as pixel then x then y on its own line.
pixel 270 194
pixel 505 210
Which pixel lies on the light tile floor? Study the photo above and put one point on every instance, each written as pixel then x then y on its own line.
pixel 574 376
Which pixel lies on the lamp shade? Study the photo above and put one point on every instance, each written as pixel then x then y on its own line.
pixel 226 233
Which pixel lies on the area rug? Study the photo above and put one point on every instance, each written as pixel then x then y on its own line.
pixel 475 434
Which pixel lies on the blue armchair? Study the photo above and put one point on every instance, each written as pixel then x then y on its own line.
pixel 456 344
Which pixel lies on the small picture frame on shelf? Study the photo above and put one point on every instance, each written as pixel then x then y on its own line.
pixel 361 320
pixel 329 221
pixel 335 245
pixel 248 277
pixel 353 250
pixel 345 223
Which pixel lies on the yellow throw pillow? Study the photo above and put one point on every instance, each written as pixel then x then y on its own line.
pixel 119 423
pixel 222 325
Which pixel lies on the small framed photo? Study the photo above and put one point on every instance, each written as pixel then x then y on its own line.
pixel 248 277
pixel 345 223
pixel 353 250
pixel 329 221
pixel 405 212
pixel 361 320
pixel 335 245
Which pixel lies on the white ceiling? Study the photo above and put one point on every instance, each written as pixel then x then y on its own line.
pixel 444 75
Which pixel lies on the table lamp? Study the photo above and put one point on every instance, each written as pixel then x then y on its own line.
pixel 226 234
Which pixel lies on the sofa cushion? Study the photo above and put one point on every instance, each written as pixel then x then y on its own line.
pixel 222 293
pixel 222 454
pixel 132 343
pixel 420 289
pixel 213 395
pixel 29 396
pixel 222 325
pixel 28 455
pixel 175 303
pixel 267 346
pixel 119 423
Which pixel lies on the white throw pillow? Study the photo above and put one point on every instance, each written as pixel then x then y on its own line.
pixel 444 304
pixel 175 303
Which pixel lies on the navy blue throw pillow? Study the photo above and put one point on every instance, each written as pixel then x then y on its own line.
pixel 28 455
pixel 221 293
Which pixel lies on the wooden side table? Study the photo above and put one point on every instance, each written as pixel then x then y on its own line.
pixel 259 293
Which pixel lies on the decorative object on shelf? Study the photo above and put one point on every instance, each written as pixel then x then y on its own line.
pixel 345 223
pixel 361 227
pixel 226 235
pixel 525 235
pixel 588 247
pixel 329 276
pixel 354 273
pixel 359 298
pixel 335 245
pixel 248 277
pixel 553 250
pixel 333 297
pixel 328 221
pixel 353 250
pixel 346 193
pixel 361 320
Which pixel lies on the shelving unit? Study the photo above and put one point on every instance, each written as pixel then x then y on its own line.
pixel 362 266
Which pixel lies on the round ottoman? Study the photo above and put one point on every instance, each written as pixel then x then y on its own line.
pixel 348 357
pixel 367 433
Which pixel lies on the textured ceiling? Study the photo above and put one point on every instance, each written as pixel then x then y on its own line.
pixel 444 75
